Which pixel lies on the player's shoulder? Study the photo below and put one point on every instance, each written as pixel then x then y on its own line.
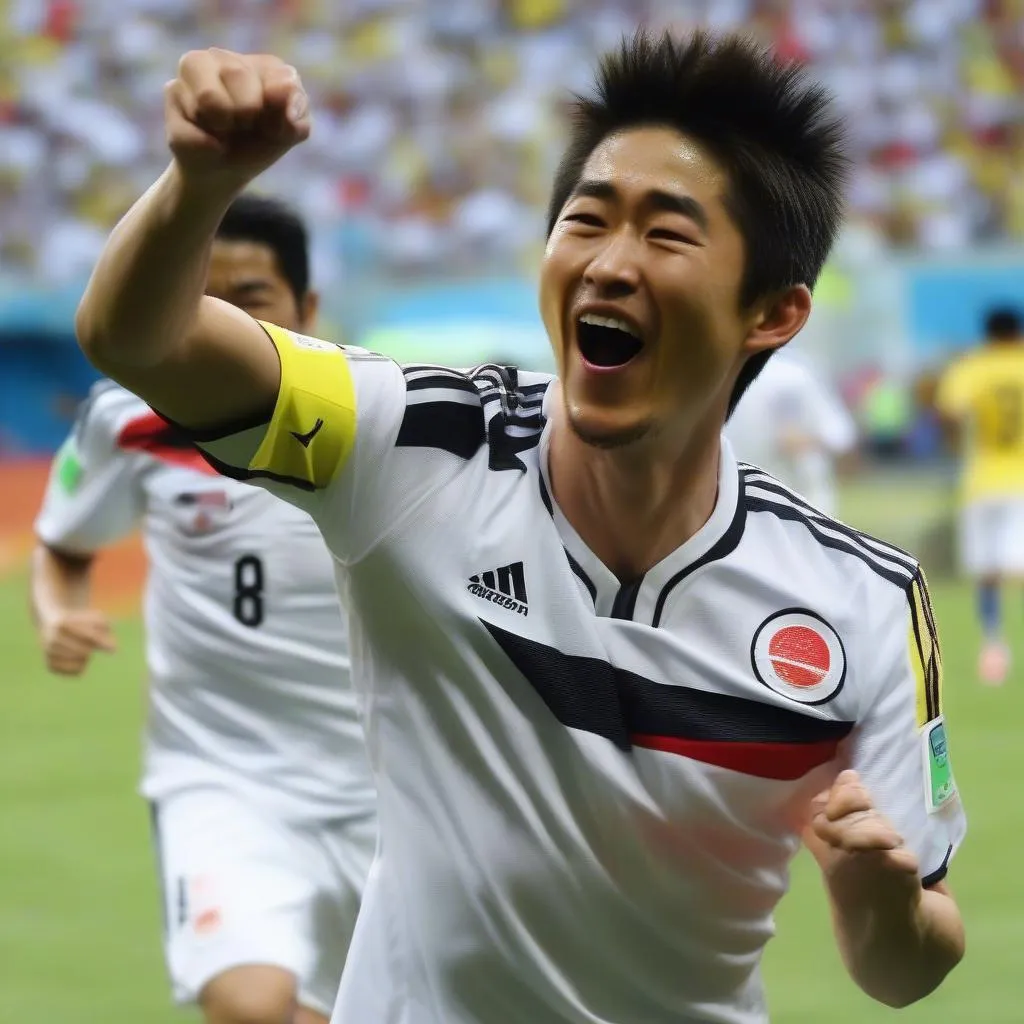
pixel 485 381
pixel 465 411
pixel 105 411
pixel 837 555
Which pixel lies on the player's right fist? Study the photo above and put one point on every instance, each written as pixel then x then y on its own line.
pixel 229 116
pixel 70 638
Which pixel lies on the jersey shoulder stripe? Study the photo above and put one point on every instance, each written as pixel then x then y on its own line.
pixel 925 653
pixel 897 576
pixel 885 560
pixel 461 411
pixel 758 479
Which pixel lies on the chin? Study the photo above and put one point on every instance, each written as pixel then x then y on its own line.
pixel 604 432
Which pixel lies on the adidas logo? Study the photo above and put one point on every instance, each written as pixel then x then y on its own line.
pixel 505 587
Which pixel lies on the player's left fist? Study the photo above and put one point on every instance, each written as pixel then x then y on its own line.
pixel 856 839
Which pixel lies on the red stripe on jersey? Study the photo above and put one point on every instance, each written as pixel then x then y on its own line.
pixel 152 434
pixel 783 761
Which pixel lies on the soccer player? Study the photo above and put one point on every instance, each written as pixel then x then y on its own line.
pixel 255 768
pixel 791 424
pixel 609 678
pixel 981 396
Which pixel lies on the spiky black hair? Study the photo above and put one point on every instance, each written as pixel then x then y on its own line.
pixel 766 122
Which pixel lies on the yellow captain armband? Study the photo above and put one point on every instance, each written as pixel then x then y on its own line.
pixel 313 428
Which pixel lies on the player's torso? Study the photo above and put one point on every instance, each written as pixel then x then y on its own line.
pixel 240 569
pixel 994 464
pixel 620 770
pixel 246 642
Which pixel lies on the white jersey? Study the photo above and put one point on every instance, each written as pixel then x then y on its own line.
pixel 789 399
pixel 246 645
pixel 589 793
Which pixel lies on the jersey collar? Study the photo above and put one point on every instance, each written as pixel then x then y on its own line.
pixel 645 599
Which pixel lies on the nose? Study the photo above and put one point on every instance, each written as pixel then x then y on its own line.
pixel 614 271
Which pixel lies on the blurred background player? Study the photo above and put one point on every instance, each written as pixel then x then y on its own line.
pixel 262 802
pixel 791 424
pixel 981 397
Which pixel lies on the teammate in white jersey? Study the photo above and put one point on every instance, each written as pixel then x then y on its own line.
pixel 610 677
pixel 262 801
pixel 790 423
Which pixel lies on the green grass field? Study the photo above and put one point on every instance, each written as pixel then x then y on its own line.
pixel 79 928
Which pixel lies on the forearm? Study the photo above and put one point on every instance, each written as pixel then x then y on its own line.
pixel 58 583
pixel 145 292
pixel 898 954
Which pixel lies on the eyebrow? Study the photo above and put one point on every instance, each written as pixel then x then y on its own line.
pixel 670 202
pixel 250 286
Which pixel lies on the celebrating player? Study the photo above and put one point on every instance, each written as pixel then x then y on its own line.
pixel 981 395
pixel 790 424
pixel 254 763
pixel 609 678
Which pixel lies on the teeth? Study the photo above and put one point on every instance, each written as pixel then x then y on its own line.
pixel 609 321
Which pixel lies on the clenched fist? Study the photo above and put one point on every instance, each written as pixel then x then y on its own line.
pixel 70 639
pixel 229 116
pixel 856 845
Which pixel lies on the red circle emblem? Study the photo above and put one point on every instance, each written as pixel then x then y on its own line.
pixel 799 655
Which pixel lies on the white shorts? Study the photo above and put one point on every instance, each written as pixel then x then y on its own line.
pixel 992 537
pixel 240 886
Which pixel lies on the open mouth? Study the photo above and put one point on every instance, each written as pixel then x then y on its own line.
pixel 606 341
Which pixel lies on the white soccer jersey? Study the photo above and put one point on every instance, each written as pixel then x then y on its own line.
pixel 246 645
pixel 787 397
pixel 589 793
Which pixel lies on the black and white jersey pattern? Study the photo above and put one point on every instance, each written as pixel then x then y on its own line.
pixel 590 791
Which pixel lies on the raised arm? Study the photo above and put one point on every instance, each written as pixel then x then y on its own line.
pixel 144 320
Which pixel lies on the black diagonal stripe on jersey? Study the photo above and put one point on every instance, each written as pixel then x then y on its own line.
pixel 441 381
pixel 580 692
pixel 725 545
pixel 691 714
pixel 595 696
pixel 581 574
pixel 505 448
pixel 883 549
pixel 794 515
pixel 450 426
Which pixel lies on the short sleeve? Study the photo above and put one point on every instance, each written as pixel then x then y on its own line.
pixel 329 447
pixel 361 443
pixel 901 747
pixel 94 493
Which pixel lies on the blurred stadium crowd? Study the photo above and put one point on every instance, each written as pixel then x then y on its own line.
pixel 438 120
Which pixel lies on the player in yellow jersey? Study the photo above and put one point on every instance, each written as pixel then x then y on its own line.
pixel 982 395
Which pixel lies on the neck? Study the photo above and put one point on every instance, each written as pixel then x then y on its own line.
pixel 633 506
